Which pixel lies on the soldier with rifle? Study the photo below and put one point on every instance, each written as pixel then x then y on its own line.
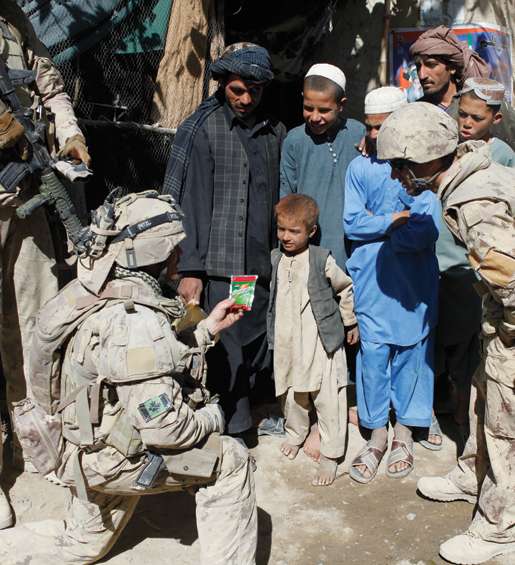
pixel 34 110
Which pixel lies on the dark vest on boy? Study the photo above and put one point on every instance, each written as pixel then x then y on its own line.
pixel 322 298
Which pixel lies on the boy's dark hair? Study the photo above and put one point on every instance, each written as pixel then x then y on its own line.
pixel 494 108
pixel 323 84
pixel 300 207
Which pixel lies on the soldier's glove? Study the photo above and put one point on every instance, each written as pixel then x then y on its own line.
pixel 214 417
pixel 11 131
pixel 75 148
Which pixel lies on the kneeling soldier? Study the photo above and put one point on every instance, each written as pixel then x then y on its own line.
pixel 127 401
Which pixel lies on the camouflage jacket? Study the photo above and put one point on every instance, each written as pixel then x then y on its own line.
pixel 21 49
pixel 479 202
pixel 134 350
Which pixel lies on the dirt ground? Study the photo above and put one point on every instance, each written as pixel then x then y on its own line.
pixel 384 522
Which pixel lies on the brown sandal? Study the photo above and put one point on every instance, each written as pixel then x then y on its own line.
pixel 371 457
pixel 402 452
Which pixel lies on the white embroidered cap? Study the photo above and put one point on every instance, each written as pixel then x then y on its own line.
pixel 328 71
pixel 385 99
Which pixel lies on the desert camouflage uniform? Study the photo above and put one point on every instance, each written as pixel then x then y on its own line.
pixel 135 348
pixel 479 202
pixel 28 276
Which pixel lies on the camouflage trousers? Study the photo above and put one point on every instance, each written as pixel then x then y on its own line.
pixel 28 279
pixel 487 465
pixel 226 521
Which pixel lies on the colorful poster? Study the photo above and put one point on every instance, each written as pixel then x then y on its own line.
pixel 492 42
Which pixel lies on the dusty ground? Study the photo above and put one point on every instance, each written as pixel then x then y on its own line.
pixel 381 523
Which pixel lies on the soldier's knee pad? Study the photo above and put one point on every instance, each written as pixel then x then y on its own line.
pixel 235 454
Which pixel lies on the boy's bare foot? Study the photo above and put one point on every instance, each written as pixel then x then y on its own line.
pixel 289 450
pixel 326 472
pixel 353 416
pixel 312 444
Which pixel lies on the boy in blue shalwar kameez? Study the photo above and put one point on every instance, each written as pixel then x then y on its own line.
pixel 395 275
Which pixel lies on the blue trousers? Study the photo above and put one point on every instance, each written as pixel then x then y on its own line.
pixel 402 377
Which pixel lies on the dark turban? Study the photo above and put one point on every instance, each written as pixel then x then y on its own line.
pixel 441 42
pixel 247 60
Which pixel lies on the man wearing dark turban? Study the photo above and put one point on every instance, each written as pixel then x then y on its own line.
pixel 224 170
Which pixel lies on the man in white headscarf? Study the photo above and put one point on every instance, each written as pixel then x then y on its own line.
pixel 395 276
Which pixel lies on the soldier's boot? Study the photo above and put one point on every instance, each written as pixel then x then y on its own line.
pixel 6 514
pixel 466 549
pixel 443 489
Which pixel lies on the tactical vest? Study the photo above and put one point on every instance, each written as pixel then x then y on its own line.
pixel 322 299
pixel 38 418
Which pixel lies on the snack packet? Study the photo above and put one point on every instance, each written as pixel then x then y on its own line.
pixel 242 291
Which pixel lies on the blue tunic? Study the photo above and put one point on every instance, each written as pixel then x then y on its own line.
pixel 316 166
pixel 502 153
pixel 394 271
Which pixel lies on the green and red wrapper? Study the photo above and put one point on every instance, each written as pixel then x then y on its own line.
pixel 242 291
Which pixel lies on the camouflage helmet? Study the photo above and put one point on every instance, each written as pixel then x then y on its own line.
pixel 417 132
pixel 134 231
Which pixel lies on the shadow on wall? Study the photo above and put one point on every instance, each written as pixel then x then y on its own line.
pixel 355 44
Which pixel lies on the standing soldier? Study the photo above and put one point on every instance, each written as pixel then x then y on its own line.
pixel 421 143
pixel 27 260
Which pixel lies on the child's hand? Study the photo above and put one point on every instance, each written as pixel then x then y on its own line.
pixel 399 219
pixel 353 335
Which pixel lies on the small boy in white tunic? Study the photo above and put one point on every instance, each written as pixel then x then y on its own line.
pixel 310 316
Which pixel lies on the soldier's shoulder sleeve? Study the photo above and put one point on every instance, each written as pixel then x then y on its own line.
pixel 487 228
pixel 48 79
pixel 31 43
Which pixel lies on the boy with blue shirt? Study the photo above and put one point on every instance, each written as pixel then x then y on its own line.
pixel 395 275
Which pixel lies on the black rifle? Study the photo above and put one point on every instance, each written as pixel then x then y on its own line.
pixel 38 165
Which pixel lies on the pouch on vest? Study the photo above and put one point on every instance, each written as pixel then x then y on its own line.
pixel 124 437
pixel 39 434
pixel 201 462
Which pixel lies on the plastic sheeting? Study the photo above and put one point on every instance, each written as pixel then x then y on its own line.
pixel 72 27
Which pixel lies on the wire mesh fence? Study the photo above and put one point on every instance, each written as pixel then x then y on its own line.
pixel 111 85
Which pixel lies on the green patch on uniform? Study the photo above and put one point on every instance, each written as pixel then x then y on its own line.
pixel 154 407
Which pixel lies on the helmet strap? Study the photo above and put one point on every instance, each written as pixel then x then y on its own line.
pixel 424 183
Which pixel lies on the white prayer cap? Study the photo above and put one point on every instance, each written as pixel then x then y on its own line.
pixel 328 71
pixel 385 99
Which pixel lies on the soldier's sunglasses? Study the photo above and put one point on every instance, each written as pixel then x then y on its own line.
pixel 399 164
